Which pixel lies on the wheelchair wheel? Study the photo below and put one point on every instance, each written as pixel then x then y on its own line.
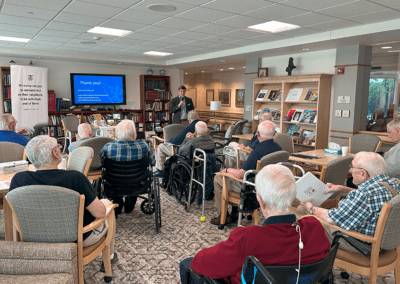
pixel 147 206
pixel 181 182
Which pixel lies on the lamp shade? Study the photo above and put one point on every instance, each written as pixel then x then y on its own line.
pixel 215 105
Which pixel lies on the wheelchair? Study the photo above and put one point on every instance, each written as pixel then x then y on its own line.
pixel 132 178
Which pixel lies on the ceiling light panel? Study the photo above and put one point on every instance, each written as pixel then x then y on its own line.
pixel 109 31
pixel 239 21
pixel 273 27
pixel 156 53
pixel 122 25
pixel 14 39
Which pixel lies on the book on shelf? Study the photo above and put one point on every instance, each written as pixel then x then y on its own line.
pixel 277 115
pixel 272 95
pixel 297 115
pixel 308 94
pixel 305 133
pixel 258 113
pixel 309 138
pixel 7 106
pixel 294 95
pixel 273 111
pixel 308 116
pixel 52 102
pixel 279 95
pixel 261 95
pixel 150 116
pixel 290 114
pixel 292 129
pixel 314 95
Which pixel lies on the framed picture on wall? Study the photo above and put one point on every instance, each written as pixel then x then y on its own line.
pixel 239 97
pixel 262 72
pixel 224 95
pixel 192 93
pixel 209 96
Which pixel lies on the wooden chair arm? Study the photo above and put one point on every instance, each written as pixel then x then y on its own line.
pixel 244 151
pixel 316 173
pixel 158 138
pixel 229 176
pixel 351 233
pixel 98 221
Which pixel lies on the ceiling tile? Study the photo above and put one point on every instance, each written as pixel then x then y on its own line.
pixel 79 19
pixel 127 41
pixel 220 39
pixel 352 9
pixel 94 51
pixel 115 24
pixel 142 36
pixel 244 42
pixel 334 25
pixel 191 35
pixel 242 34
pixel 39 47
pixel 59 33
pixel 202 43
pixel 204 15
pixel 28 12
pixel 140 17
pixel 388 3
pixel 177 23
pixel 41 4
pixel 225 46
pixel 170 39
pixel 45 43
pixel 275 12
pixel 239 21
pixel 12 44
pixel 180 7
pixel 384 15
pixel 90 9
pixel 20 29
pixel 140 49
pixel 193 2
pixel 214 29
pixel 236 6
pixel 158 45
pixel 308 19
pixel 68 49
pixel 89 37
pixel 313 5
pixel 76 46
pixel 115 3
pixel 20 21
pixel 269 37
pixel 52 38
pixel 159 31
pixel 300 32
pixel 177 47
pixel 68 27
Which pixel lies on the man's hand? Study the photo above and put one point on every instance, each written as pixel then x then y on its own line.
pixel 21 131
pixel 333 188
pixel 317 211
pixel 224 171
pixel 189 135
pixel 241 146
pixel 307 204
pixel 248 149
pixel 181 103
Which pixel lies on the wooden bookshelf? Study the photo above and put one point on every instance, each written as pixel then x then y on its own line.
pixel 5 89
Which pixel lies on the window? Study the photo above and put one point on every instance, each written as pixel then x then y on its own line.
pixel 381 96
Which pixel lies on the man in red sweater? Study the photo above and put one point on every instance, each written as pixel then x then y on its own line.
pixel 276 242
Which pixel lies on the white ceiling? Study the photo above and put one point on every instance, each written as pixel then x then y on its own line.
pixel 198 32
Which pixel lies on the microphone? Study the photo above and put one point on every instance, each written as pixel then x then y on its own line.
pixel 181 98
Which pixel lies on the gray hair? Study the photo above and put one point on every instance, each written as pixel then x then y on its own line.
pixel 84 130
pixel 126 130
pixel 265 116
pixel 201 128
pixel 394 123
pixel 5 120
pixel 193 115
pixel 372 162
pixel 277 188
pixel 266 129
pixel 39 150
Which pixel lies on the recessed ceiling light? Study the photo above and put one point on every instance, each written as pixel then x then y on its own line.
pixel 221 69
pixel 393 51
pixel 305 49
pixel 273 27
pixel 16 39
pixel 244 66
pixel 108 31
pixel 386 47
pixel 231 68
pixel 161 8
pixel 202 71
pixel 186 73
pixel 157 53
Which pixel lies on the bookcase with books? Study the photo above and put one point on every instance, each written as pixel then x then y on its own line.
pixel 5 89
pixel 299 106
pixel 155 92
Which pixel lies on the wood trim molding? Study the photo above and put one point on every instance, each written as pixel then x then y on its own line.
pixel 341 137
pixel 383 43
pixel 353 65
pixel 341 131
pixel 251 73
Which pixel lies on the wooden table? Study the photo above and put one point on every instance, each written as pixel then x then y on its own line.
pixel 386 139
pixel 320 162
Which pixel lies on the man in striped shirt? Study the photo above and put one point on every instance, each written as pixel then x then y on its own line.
pixel 127 148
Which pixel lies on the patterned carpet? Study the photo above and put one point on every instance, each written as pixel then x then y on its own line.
pixel 147 257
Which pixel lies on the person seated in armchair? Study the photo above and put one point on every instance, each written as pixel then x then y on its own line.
pixel 360 210
pixel 45 155
pixel 8 133
pixel 277 242
pixel 230 161
pixel 392 157
pixel 84 133
pixel 266 145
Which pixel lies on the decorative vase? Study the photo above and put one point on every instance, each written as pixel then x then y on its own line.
pixel 149 72
pixel 162 72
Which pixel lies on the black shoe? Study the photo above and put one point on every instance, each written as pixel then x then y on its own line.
pixel 217 220
pixel 114 260
pixel 130 203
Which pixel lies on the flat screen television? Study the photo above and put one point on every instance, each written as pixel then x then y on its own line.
pixel 98 89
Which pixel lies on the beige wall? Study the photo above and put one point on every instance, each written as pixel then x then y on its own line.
pixel 231 80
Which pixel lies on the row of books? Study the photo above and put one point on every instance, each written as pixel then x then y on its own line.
pixel 157 106
pixel 55 120
pixel 157 116
pixel 138 117
pixel 156 95
pixel 275 113
pixel 55 131
pixel 306 136
pixel 7 92
pixel 301 115
pixel 156 84
pixel 6 79
pixel 274 95
pixel 155 126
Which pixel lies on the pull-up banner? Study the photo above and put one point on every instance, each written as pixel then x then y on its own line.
pixel 29 95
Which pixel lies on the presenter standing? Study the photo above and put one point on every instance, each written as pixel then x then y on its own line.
pixel 180 106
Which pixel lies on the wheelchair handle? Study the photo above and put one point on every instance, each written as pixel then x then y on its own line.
pixel 290 165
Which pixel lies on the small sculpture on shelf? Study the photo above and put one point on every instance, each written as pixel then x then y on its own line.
pixel 162 72
pixel 149 72
pixel 290 67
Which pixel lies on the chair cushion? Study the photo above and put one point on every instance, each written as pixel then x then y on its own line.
pixel 385 257
pixel 58 278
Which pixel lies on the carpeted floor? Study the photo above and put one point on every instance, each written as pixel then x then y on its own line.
pixel 147 257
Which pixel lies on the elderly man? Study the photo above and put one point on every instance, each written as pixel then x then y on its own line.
pixel 230 161
pixel 276 242
pixel 266 145
pixel 127 148
pixel 360 210
pixel 84 132
pixel 8 132
pixel 392 157
pixel 201 140
pixel 181 106
pixel 45 155
pixel 164 150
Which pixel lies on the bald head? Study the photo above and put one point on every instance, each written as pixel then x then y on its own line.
pixel 266 129
pixel 84 130
pixel 265 116
pixel 372 162
pixel 201 128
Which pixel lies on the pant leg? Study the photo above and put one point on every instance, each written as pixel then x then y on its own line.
pixel 233 185
pixel 164 150
pixel 185 264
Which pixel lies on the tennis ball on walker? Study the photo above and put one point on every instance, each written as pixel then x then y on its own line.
pixel 202 218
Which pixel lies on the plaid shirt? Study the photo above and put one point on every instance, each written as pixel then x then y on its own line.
pixel 126 151
pixel 360 210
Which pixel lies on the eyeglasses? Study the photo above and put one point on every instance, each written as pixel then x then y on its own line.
pixel 351 167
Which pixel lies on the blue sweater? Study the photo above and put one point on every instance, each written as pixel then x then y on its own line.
pixel 181 136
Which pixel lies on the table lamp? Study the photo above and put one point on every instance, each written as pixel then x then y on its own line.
pixel 215 106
